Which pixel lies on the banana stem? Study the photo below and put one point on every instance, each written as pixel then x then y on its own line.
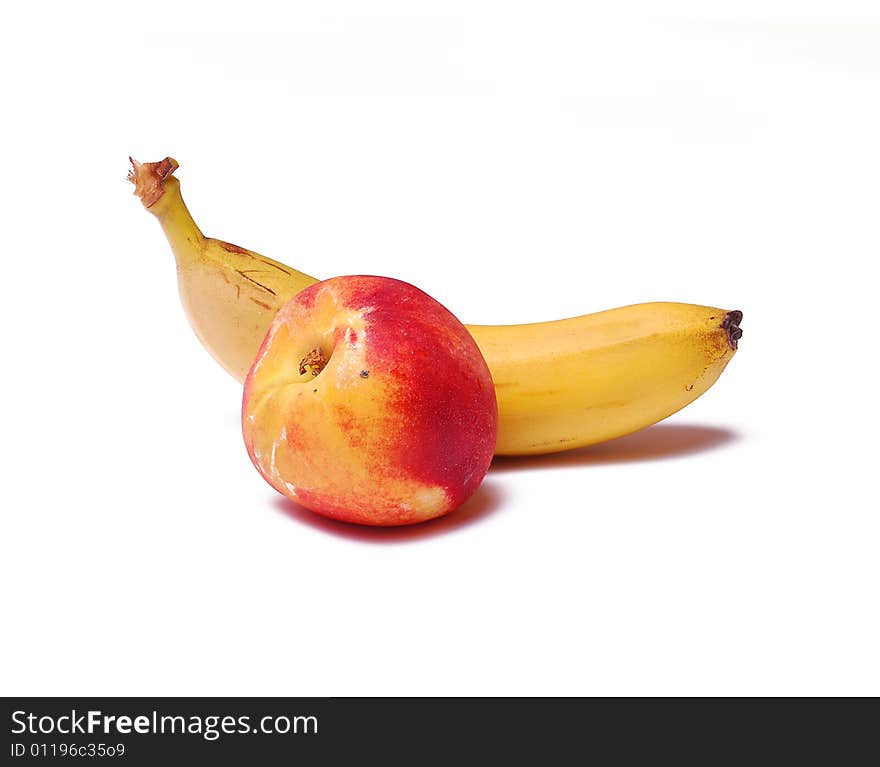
pixel 160 194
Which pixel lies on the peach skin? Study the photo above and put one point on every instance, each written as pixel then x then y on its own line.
pixel 369 402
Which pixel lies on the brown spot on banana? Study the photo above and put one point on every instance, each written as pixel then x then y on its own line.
pixel 228 246
pixel 231 248
pixel 226 279
pixel 279 267
pixel 245 272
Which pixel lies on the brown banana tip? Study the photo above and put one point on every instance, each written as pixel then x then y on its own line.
pixel 149 178
pixel 731 325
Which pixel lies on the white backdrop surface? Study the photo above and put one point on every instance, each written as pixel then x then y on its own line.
pixel 519 162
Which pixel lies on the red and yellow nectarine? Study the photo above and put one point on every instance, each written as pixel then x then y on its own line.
pixel 369 402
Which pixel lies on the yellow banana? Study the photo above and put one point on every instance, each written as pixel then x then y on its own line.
pixel 584 380
pixel 230 294
pixel 560 385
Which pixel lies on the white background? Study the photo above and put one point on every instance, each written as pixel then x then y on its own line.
pixel 520 162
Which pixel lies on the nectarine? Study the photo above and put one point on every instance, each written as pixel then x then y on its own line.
pixel 369 402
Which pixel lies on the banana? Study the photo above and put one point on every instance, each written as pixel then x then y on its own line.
pixel 559 385
pixel 583 380
pixel 230 294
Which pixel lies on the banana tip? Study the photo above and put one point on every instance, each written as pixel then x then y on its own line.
pixel 731 324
